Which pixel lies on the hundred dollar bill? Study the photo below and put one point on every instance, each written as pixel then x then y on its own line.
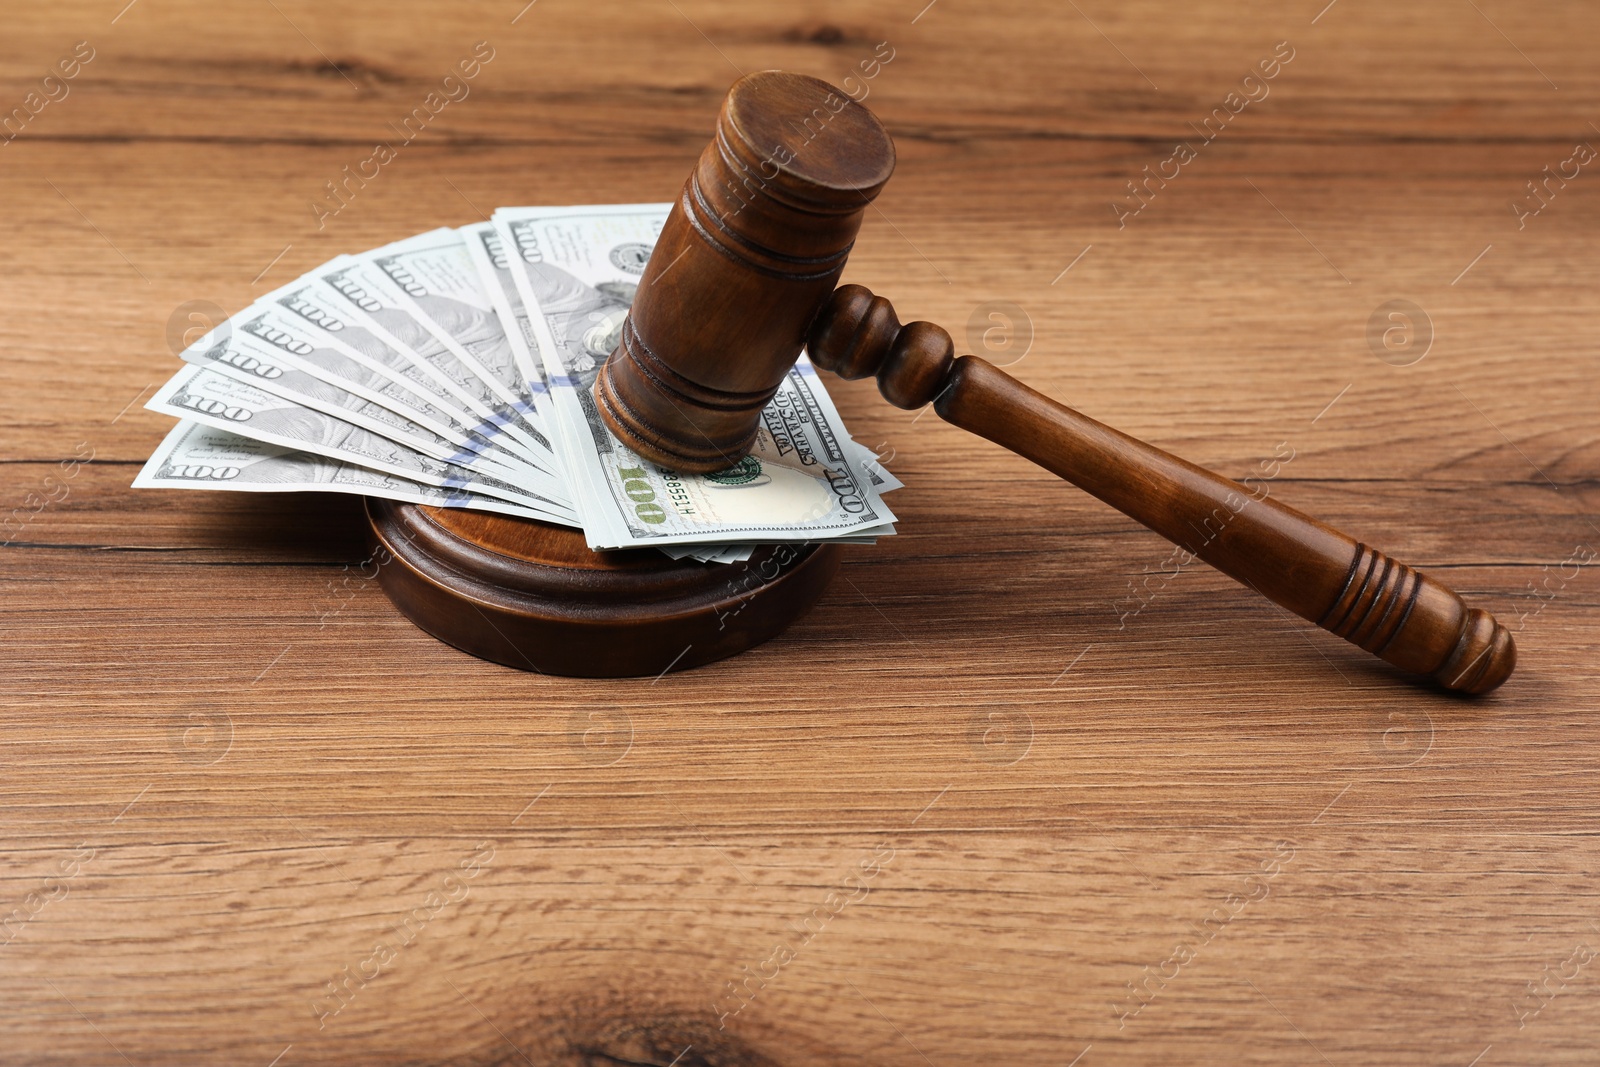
pixel 488 252
pixel 314 323
pixel 710 553
pixel 577 271
pixel 368 294
pixel 202 457
pixel 434 275
pixel 876 471
pixel 484 248
pixel 235 354
pixel 879 476
pixel 195 456
pixel 202 395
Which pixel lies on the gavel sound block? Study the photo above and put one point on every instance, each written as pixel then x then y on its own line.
pixel 745 272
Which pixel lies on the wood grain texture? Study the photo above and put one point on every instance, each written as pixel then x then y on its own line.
pixel 226 779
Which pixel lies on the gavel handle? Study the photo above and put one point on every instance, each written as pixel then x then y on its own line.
pixel 1377 603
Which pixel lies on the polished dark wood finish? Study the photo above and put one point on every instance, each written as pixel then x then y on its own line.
pixel 764 222
pixel 1379 604
pixel 535 597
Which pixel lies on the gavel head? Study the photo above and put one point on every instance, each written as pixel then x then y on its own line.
pixel 752 248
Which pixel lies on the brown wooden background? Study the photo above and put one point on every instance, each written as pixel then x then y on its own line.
pixel 224 774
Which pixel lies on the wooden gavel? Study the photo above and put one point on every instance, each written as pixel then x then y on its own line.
pixel 744 274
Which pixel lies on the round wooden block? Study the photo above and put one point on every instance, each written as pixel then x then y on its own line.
pixel 534 597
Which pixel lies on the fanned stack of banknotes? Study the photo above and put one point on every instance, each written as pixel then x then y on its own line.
pixel 454 369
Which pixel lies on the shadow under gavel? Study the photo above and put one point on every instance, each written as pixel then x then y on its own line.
pixel 744 274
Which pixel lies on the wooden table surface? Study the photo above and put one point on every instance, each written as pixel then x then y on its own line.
pixel 974 807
